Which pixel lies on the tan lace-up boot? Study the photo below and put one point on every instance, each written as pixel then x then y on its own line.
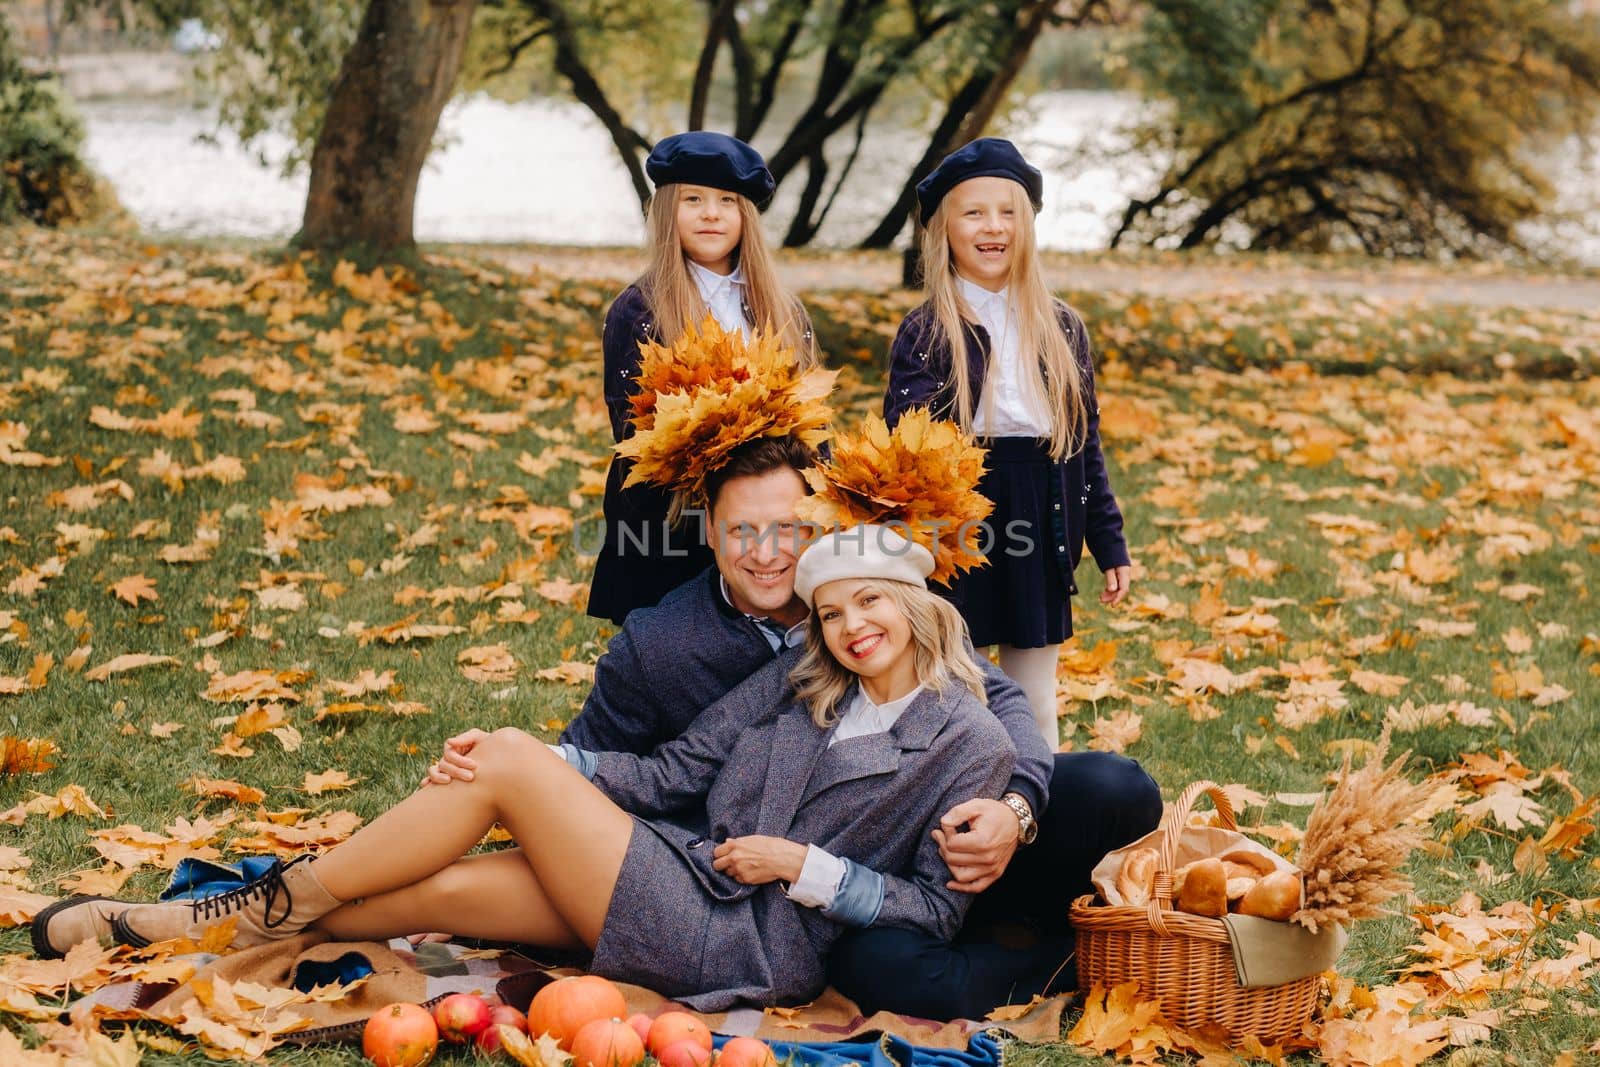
pixel 281 903
pixel 71 921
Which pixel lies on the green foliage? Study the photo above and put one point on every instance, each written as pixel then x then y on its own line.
pixel 1401 127
pixel 1073 59
pixel 273 67
pixel 276 65
pixel 43 178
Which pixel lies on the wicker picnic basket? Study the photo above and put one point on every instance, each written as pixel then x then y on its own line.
pixel 1184 961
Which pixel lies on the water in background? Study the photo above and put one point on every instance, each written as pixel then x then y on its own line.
pixel 545 171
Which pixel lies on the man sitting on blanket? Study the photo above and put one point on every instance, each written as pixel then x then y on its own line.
pixel 741 618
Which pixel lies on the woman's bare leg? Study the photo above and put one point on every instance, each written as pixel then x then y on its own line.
pixel 491 895
pixel 572 838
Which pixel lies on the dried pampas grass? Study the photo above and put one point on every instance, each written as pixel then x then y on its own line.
pixel 921 478
pixel 711 392
pixel 1357 840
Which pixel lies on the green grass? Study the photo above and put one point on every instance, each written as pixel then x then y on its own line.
pixel 1203 462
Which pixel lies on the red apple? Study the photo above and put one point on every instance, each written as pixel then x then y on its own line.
pixel 500 1015
pixel 685 1053
pixel 461 1017
pixel 641 1025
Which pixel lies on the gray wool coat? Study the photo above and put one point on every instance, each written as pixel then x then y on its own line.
pixel 669 663
pixel 754 763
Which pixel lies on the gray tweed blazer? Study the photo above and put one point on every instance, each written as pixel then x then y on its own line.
pixel 754 763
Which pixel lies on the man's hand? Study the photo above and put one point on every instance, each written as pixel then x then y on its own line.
pixel 456 765
pixel 757 859
pixel 978 856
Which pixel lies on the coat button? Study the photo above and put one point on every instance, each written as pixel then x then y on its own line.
pixel 696 842
pixel 1062 549
pixel 1057 507
pixel 905 392
pixel 1083 500
pixel 1086 488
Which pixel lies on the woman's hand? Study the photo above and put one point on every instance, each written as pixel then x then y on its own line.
pixel 456 765
pixel 757 859
pixel 1117 581
pixel 429 939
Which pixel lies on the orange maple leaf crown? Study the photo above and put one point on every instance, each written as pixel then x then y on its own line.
pixel 710 392
pixel 921 478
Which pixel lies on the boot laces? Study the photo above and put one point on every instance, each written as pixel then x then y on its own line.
pixel 269 887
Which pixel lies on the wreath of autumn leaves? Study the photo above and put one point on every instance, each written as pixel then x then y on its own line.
pixel 714 390
pixel 710 392
pixel 921 478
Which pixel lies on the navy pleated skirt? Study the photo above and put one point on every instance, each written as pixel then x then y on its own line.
pixel 1023 597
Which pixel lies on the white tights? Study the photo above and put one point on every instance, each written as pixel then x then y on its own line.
pixel 1034 669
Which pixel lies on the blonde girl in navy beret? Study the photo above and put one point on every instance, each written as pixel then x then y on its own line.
pixel 707 257
pixel 993 350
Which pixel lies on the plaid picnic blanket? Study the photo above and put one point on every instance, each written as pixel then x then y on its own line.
pixel 829 1032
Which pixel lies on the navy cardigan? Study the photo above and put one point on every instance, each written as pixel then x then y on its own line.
pixel 919 373
pixel 655 559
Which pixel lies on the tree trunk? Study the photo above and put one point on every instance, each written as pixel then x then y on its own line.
pixel 383 111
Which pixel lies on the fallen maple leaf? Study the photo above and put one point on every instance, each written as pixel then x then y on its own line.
pixel 487 663
pixel 134 588
pixel 18 906
pixel 1110 1020
pixel 541 1051
pixel 128 661
pixel 1116 733
pixel 222 787
pixel 328 781
pixel 569 672
pixel 563 592
pixel 1012 1012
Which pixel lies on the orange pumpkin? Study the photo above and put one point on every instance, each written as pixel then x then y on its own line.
pixel 563 1007
pixel 400 1035
pixel 670 1027
pixel 607 1043
pixel 746 1052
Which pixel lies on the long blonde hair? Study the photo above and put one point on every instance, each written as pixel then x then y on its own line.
pixel 938 640
pixel 1055 377
pixel 675 300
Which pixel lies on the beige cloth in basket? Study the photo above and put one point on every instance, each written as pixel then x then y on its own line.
pixel 1268 953
pixel 1265 953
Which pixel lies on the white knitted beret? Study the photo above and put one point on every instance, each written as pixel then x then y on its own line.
pixel 866 551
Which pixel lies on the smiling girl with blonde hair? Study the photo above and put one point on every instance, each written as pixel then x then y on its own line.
pixel 993 350
pixel 708 257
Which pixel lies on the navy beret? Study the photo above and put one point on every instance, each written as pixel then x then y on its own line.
pixel 716 160
pixel 987 157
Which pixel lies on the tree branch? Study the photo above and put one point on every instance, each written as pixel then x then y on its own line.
pixel 629 142
pixel 721 15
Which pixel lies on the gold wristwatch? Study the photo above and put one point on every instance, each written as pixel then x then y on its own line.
pixel 1027 828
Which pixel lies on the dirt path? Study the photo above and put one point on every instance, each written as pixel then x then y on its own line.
pixel 875 270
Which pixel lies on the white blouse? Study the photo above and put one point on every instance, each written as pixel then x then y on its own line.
pixel 724 296
pixel 1005 408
